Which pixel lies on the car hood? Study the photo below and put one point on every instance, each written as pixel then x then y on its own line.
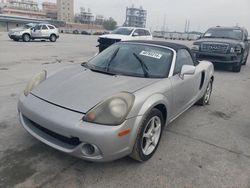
pixel 80 89
pixel 218 40
pixel 18 29
pixel 115 36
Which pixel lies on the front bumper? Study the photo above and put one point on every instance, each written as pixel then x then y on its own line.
pixel 218 58
pixel 12 36
pixel 64 130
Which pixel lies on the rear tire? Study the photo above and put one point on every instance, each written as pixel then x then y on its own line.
pixel 148 136
pixel 206 97
pixel 26 37
pixel 52 38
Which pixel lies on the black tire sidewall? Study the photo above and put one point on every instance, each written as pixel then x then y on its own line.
pixel 53 38
pixel 152 113
pixel 206 103
pixel 24 37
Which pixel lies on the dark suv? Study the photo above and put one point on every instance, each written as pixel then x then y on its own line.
pixel 225 45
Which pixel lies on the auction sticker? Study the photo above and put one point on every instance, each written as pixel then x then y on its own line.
pixel 151 54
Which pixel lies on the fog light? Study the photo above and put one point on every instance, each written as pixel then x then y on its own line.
pixel 88 149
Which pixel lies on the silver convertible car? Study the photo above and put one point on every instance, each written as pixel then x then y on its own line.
pixel 118 102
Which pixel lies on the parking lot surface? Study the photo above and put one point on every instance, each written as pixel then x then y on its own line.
pixel 205 147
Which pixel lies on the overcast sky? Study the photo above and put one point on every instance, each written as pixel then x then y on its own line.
pixel 201 13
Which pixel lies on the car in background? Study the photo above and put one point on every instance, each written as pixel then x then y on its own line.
pixel 76 32
pixel 123 34
pixel 118 103
pixel 223 45
pixel 43 31
pixel 21 32
pixel 85 33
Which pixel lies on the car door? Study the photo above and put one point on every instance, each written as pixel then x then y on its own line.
pixel 185 88
pixel 36 32
pixel 45 31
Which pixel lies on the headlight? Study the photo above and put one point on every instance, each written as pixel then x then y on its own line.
pixel 35 81
pixel 232 50
pixel 112 111
pixel 237 49
pixel 16 33
pixel 196 47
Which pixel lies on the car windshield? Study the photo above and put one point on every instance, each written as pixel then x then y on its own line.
pixel 139 60
pixel 27 26
pixel 224 33
pixel 122 31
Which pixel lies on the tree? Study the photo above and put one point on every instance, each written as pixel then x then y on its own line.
pixel 109 24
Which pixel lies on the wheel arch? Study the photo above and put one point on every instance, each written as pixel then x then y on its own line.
pixel 158 101
pixel 52 34
pixel 26 34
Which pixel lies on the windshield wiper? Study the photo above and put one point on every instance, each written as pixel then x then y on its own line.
pixel 112 57
pixel 143 65
pixel 84 64
pixel 102 71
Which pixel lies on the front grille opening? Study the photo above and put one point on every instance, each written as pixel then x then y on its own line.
pixel 73 141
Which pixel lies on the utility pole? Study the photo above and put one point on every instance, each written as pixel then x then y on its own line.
pixel 188 25
pixel 164 24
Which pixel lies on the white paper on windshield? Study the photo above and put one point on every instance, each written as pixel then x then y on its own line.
pixel 151 54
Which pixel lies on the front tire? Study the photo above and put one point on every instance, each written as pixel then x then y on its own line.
pixel 206 97
pixel 26 37
pixel 148 136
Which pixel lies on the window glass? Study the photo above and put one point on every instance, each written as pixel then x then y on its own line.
pixel 147 33
pixel 37 27
pixel 183 58
pixel 136 31
pixel 134 60
pixel 141 32
pixel 236 34
pixel 51 27
pixel 44 27
pixel 122 31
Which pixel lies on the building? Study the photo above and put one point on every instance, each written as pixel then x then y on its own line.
pixel 25 8
pixel 85 16
pixel 8 22
pixel 135 17
pixel 99 19
pixel 65 10
pixel 50 9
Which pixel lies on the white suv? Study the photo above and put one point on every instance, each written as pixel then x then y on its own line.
pixel 123 34
pixel 32 32
pixel 44 31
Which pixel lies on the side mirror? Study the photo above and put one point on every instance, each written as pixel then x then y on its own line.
pixel 135 34
pixel 187 69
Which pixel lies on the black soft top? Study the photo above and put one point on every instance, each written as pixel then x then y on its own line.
pixel 172 45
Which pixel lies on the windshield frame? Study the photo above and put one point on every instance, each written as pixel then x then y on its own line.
pixel 223 29
pixel 128 29
pixel 170 72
